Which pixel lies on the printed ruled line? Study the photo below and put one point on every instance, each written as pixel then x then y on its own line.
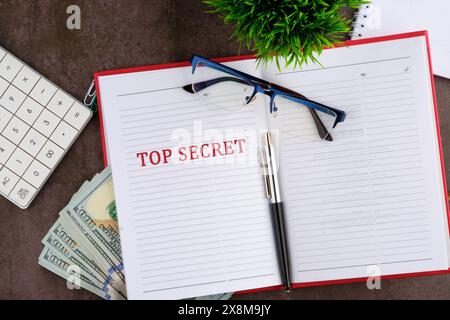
pixel 344 65
pixel 215 223
pixel 363 265
pixel 225 213
pixel 206 236
pixel 304 217
pixel 153 217
pixel 357 206
pixel 148 91
pixel 349 189
pixel 210 255
pixel 186 286
pixel 373 219
pixel 366 249
pixel 219 241
pixel 252 277
pixel 233 192
pixel 328 227
pixel 216 228
pixel 164 106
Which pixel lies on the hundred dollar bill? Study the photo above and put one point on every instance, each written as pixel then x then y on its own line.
pixel 82 273
pixel 101 255
pixel 99 204
pixel 101 207
pixel 77 235
pixel 60 240
pixel 55 264
pixel 87 223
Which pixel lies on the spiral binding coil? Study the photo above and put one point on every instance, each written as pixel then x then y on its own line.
pixel 359 22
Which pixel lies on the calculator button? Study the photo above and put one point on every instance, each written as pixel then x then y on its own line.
pixel 43 92
pixel 26 79
pixel 46 123
pixel 29 111
pixel 19 162
pixel 50 154
pixel 36 174
pixel 64 135
pixel 6 149
pixel 12 99
pixel 23 193
pixel 33 142
pixel 16 130
pixel 7 180
pixel 3 86
pixel 77 116
pixel 60 104
pixel 10 67
pixel 5 116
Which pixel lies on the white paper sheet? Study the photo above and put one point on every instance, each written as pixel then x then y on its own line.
pixel 194 228
pixel 373 199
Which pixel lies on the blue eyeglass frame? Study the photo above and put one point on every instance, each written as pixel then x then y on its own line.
pixel 270 89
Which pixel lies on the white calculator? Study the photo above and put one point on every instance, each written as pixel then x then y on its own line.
pixel 38 124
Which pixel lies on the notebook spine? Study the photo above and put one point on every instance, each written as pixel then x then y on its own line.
pixel 359 22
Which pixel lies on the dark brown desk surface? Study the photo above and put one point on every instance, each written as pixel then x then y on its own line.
pixel 117 34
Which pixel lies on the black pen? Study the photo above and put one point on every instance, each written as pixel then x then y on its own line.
pixel 276 206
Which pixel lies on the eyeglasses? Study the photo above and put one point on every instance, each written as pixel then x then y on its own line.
pixel 231 89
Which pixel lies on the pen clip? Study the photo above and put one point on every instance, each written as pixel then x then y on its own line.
pixel 266 177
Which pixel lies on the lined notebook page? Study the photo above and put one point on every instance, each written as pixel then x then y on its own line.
pixel 371 201
pixel 187 228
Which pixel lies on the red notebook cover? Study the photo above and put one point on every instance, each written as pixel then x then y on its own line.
pixel 244 57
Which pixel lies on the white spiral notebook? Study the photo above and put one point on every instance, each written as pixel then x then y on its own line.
pixel 384 17
pixel 373 199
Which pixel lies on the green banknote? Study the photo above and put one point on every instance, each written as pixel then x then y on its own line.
pixel 62 268
pixel 61 241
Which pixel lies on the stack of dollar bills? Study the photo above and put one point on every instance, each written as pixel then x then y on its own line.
pixel 83 246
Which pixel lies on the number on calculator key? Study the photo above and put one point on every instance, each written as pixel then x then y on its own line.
pixel 50 155
pixel 15 130
pixel 6 149
pixel 12 99
pixel 36 174
pixel 29 111
pixel 19 161
pixel 33 142
pixel 46 123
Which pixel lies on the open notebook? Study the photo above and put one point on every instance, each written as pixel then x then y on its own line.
pixel 373 199
pixel 384 17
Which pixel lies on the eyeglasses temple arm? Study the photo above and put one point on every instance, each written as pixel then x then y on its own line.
pixel 321 129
